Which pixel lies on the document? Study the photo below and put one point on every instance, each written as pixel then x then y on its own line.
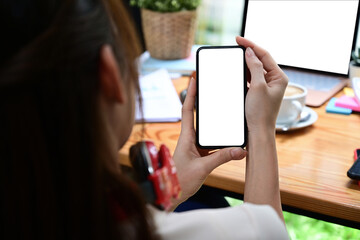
pixel 161 102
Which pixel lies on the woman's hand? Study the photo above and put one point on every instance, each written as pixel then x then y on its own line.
pixel 267 86
pixel 192 168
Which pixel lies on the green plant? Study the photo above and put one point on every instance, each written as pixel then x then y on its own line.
pixel 356 58
pixel 166 5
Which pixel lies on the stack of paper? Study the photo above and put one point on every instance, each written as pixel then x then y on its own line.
pixel 348 102
pixel 345 104
pixel 160 100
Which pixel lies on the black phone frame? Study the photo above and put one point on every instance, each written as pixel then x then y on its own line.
pixel 198 91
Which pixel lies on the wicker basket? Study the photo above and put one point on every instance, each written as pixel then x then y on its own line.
pixel 169 35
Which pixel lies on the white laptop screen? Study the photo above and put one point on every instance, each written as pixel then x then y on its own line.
pixel 315 35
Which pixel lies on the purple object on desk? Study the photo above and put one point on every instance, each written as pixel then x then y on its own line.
pixel 348 102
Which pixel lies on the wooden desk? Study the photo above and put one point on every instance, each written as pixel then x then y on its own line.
pixel 312 165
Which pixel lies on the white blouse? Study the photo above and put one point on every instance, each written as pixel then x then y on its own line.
pixel 247 221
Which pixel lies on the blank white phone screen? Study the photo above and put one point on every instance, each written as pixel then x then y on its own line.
pixel 221 97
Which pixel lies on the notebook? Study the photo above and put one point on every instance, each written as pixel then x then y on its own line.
pixel 312 41
pixel 161 102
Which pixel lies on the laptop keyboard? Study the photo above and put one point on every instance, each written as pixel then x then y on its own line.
pixel 312 80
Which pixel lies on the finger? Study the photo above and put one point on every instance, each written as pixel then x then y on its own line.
pixel 248 76
pixel 187 121
pixel 264 56
pixel 222 156
pixel 206 151
pixel 255 66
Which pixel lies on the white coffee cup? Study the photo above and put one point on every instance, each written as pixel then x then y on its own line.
pixel 292 104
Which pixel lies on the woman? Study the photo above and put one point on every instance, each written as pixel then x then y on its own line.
pixel 68 84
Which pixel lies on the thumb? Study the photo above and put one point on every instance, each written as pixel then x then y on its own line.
pixel 255 66
pixel 222 156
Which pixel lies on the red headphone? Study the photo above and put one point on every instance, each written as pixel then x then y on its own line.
pixel 155 172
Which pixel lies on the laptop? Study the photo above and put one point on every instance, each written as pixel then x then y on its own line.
pixel 312 41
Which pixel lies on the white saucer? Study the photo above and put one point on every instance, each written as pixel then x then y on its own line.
pixel 310 121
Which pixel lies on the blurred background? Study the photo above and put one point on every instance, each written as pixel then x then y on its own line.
pixel 219 21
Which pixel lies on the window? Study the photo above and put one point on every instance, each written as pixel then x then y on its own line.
pixel 219 21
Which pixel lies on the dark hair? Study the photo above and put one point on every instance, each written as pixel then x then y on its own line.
pixel 58 177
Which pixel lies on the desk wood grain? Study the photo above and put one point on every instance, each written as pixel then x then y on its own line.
pixel 313 162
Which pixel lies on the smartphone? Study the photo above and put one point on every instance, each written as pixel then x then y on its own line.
pixel 354 171
pixel 221 91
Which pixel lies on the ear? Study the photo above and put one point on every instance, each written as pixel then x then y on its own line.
pixel 109 73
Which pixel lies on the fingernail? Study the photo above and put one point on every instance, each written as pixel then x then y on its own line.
pixel 249 52
pixel 236 153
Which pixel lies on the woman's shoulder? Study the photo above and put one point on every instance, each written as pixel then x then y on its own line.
pixel 246 221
